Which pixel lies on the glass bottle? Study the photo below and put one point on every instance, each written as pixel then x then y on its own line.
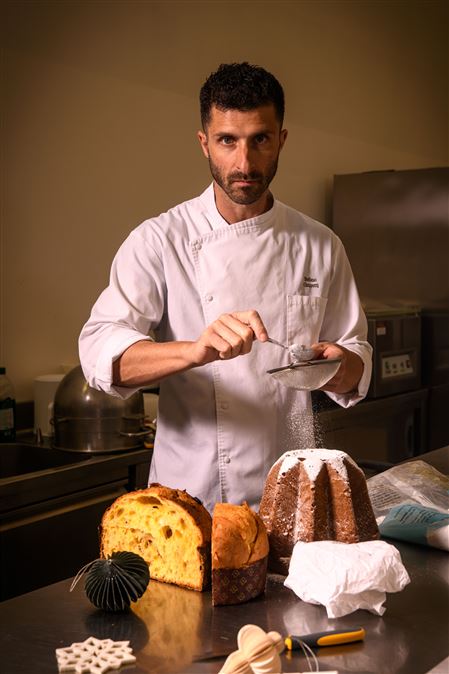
pixel 7 409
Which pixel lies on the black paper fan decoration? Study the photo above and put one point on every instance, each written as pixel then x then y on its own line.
pixel 113 583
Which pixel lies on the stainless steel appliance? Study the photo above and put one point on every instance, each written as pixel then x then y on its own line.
pixel 91 421
pixel 395 228
pixel 435 375
pixel 376 432
pixel 395 335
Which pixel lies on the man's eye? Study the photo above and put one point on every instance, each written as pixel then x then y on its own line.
pixel 226 140
pixel 261 138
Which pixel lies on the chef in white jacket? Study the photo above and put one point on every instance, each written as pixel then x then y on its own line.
pixel 212 278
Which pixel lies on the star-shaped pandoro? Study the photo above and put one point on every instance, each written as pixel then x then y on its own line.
pixel 94 656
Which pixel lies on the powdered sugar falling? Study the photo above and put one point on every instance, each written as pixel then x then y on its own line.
pixel 313 460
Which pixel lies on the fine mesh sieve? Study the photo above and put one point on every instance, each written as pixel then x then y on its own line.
pixel 306 376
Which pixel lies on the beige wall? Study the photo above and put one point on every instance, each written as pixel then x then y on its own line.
pixel 100 114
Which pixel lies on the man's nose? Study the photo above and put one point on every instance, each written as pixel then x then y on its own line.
pixel 244 158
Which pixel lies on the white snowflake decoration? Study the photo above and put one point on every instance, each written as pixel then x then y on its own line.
pixel 94 656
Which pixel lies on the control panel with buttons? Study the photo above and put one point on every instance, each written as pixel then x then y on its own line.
pixel 397 366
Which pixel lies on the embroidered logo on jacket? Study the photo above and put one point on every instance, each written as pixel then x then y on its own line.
pixel 310 282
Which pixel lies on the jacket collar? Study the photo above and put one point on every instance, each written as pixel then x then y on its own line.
pixel 207 199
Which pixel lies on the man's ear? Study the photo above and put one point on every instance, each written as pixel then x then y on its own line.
pixel 283 137
pixel 202 137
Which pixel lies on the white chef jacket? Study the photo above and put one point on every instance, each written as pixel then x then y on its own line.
pixel 221 426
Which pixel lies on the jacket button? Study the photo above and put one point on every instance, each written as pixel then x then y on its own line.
pixel 226 459
pixel 209 298
pixel 224 405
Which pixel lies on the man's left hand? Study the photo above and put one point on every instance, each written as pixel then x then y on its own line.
pixel 349 373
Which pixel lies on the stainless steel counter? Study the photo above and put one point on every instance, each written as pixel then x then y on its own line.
pixel 171 627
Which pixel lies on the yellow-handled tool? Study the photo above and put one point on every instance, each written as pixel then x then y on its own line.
pixel 330 638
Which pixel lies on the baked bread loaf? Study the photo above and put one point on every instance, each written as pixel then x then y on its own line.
pixel 239 554
pixel 315 495
pixel 168 528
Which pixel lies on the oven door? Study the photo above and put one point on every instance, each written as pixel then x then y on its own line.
pixel 383 431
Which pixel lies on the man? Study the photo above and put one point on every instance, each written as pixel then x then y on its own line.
pixel 212 278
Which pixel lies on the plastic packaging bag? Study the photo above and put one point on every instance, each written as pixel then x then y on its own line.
pixel 411 503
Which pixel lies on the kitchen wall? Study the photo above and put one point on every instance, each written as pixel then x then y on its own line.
pixel 99 121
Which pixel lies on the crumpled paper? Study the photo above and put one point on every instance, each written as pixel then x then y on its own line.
pixel 345 577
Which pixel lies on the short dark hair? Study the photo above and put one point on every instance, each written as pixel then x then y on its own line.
pixel 240 86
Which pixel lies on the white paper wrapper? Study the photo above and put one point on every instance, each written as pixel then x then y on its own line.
pixel 345 577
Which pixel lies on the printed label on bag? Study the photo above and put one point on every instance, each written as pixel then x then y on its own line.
pixel 417 524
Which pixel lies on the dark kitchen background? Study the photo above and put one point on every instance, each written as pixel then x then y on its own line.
pixel 98 132
pixel 99 120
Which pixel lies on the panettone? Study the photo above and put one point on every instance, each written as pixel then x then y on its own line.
pixel 239 554
pixel 315 495
pixel 168 528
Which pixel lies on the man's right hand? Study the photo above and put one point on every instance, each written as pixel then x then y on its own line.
pixel 229 336
pixel 145 363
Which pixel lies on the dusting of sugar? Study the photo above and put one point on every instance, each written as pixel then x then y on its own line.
pixel 303 441
pixel 288 460
pixel 312 460
pixel 302 428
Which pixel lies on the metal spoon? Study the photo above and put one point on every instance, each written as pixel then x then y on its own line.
pixel 298 352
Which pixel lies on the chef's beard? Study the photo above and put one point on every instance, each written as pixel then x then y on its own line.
pixel 240 194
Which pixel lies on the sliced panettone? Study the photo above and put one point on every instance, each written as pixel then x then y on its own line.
pixel 239 554
pixel 169 528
